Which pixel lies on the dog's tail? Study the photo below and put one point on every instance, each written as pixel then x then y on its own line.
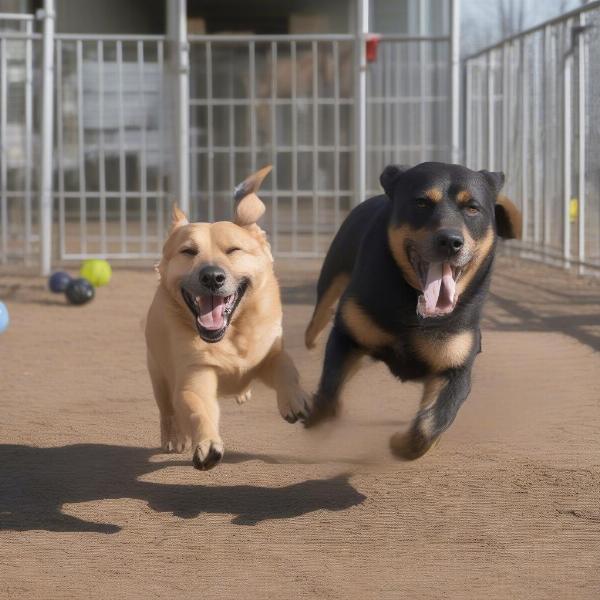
pixel 330 287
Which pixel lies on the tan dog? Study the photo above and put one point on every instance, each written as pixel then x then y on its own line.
pixel 215 325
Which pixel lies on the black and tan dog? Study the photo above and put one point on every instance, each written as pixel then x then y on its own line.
pixel 412 268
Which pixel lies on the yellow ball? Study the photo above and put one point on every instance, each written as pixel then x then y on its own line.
pixel 96 271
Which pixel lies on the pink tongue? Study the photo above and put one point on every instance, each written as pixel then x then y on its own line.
pixel 211 312
pixel 437 274
pixel 449 286
pixel 432 286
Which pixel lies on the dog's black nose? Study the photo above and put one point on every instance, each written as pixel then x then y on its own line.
pixel 212 277
pixel 448 242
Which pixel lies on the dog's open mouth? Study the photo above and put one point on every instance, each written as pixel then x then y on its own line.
pixel 438 283
pixel 213 313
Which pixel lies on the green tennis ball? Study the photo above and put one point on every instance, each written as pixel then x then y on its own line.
pixel 96 271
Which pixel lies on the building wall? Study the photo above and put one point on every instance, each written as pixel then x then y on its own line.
pixel 111 16
pixel 429 17
pixel 411 17
pixel 271 16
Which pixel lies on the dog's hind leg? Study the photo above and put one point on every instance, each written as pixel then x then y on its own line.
pixel 197 407
pixel 342 357
pixel 442 397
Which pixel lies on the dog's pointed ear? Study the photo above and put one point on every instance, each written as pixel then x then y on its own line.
pixel 178 218
pixel 389 178
pixel 509 221
pixel 495 179
pixel 249 207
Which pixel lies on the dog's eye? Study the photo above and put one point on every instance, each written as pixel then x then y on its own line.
pixel 422 203
pixel 189 251
pixel 232 250
pixel 472 210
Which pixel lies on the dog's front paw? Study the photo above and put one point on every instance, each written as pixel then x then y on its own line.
pixel 208 454
pixel 412 444
pixel 294 405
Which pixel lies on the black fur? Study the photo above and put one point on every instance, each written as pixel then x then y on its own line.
pixel 378 285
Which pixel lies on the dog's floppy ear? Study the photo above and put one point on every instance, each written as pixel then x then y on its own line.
pixel 495 179
pixel 390 176
pixel 508 219
pixel 249 207
pixel 178 218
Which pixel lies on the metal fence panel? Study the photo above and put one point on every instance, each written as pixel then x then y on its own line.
pixel 253 100
pixel 290 102
pixel 532 111
pixel 112 147
pixel 589 214
pixel 19 54
pixel 408 105
pixel 284 101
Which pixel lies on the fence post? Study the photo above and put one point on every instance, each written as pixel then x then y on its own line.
pixel 491 98
pixel 468 117
pixel 360 99
pixel 48 15
pixel 504 132
pixel 180 63
pixel 455 80
pixel 524 192
pixel 581 74
pixel 567 129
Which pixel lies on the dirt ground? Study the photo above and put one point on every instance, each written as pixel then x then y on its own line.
pixel 506 506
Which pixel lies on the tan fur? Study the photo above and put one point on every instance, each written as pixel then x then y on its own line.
pixel 178 218
pixel 432 387
pixel 250 210
pixel 397 237
pixel 480 249
pixel 322 313
pixel 513 217
pixel 364 330
pixel 444 353
pixel 434 194
pixel 463 197
pixel 412 444
pixel 188 374
pixel 250 207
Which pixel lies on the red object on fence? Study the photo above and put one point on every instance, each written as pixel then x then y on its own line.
pixel 372 44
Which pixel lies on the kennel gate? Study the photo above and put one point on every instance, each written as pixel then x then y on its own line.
pixel 309 104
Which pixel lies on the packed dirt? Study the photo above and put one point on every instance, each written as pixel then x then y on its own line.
pixel 507 505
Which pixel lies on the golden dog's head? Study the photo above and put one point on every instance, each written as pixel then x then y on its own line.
pixel 210 268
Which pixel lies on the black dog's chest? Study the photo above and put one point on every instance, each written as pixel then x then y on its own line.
pixel 401 360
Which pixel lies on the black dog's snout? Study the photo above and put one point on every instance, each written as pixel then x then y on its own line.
pixel 448 242
pixel 212 277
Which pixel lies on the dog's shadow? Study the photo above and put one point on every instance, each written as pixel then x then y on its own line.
pixel 36 482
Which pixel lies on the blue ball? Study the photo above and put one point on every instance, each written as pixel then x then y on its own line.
pixel 59 281
pixel 4 318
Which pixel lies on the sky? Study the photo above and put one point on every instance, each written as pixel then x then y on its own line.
pixel 480 19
